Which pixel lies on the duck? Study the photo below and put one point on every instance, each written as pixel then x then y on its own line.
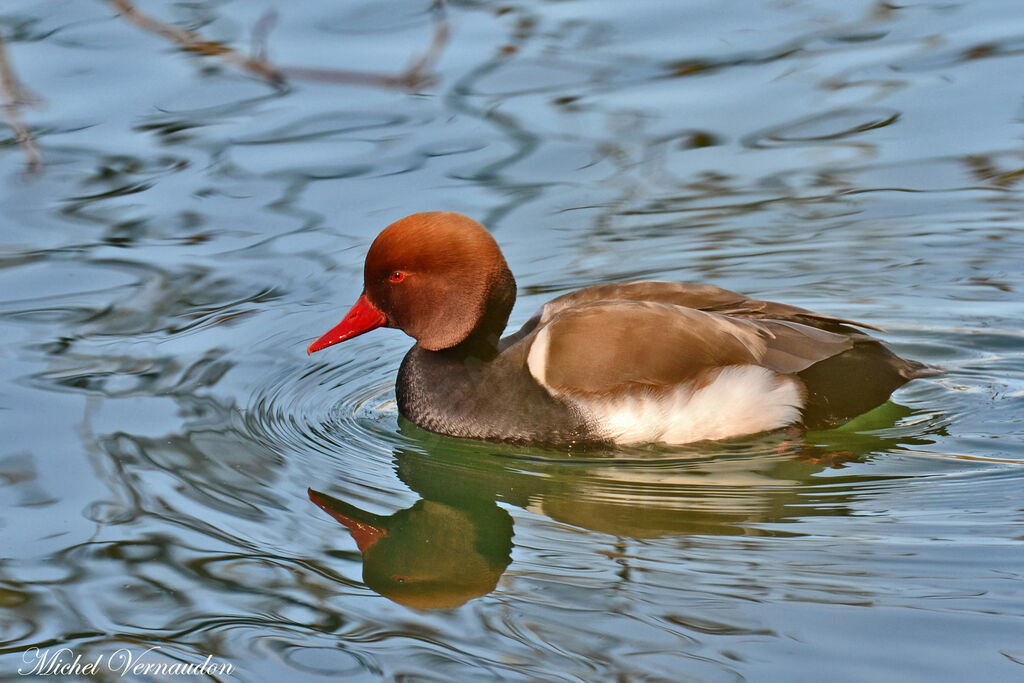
pixel 648 362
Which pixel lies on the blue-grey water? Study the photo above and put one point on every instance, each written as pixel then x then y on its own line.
pixel 195 226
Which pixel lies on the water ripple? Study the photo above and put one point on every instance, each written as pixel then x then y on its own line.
pixel 336 410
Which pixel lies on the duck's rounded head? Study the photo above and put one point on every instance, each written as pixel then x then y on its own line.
pixel 438 276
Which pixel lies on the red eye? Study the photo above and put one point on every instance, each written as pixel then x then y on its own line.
pixel 397 276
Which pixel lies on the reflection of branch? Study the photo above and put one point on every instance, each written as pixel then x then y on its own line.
pixel 191 41
pixel 261 31
pixel 14 96
pixel 415 75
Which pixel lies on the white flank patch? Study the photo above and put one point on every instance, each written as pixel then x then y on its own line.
pixel 742 399
pixel 537 359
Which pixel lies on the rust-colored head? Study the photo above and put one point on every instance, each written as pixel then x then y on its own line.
pixel 437 276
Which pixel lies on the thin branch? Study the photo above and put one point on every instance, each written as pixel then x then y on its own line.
pixel 421 67
pixel 414 76
pixel 16 96
pixel 261 31
pixel 194 43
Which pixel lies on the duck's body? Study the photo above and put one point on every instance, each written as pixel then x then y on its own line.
pixel 638 362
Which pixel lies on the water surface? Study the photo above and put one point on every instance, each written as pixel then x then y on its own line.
pixel 194 227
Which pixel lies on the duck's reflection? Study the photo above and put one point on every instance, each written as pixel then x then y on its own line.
pixel 454 544
pixel 432 555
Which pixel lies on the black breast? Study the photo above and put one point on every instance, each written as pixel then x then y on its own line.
pixel 483 396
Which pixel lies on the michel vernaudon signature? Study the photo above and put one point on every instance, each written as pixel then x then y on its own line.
pixel 64 662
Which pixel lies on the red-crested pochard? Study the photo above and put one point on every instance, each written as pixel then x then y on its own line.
pixel 634 362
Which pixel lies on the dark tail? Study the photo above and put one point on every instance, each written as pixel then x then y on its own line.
pixel 855 381
pixel 913 369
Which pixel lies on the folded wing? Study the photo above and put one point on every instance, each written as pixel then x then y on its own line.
pixel 608 347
